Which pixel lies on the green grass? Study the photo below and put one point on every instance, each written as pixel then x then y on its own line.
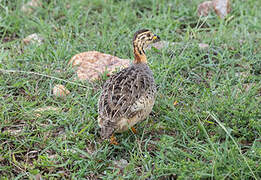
pixel 213 132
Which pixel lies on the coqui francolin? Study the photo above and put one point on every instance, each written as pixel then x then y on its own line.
pixel 128 96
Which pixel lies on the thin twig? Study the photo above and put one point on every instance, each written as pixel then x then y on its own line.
pixel 39 74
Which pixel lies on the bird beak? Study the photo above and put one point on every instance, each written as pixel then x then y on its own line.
pixel 156 38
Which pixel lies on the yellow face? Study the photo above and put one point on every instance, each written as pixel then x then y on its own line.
pixel 151 38
pixel 145 37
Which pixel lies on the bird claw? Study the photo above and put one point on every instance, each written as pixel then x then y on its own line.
pixel 113 140
pixel 133 130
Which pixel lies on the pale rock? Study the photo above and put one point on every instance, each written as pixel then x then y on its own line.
pixel 92 64
pixel 60 91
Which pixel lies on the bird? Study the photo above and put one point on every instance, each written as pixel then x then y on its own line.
pixel 128 96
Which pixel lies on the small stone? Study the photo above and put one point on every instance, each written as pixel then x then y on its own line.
pixel 121 164
pixel 221 7
pixel 33 38
pixel 60 91
pixel 30 5
pixel 203 46
pixel 204 8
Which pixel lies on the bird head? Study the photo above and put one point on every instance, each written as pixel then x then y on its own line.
pixel 141 40
pixel 144 37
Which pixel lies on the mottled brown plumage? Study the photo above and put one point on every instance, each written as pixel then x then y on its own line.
pixel 129 95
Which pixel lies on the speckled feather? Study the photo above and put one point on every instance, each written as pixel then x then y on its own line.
pixel 129 95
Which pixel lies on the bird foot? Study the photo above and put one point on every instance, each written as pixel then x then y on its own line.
pixel 113 140
pixel 133 130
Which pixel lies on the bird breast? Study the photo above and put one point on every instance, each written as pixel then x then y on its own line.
pixel 143 106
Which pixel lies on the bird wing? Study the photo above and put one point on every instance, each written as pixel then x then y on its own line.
pixel 121 94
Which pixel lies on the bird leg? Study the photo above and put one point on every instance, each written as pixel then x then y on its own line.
pixel 113 140
pixel 133 130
